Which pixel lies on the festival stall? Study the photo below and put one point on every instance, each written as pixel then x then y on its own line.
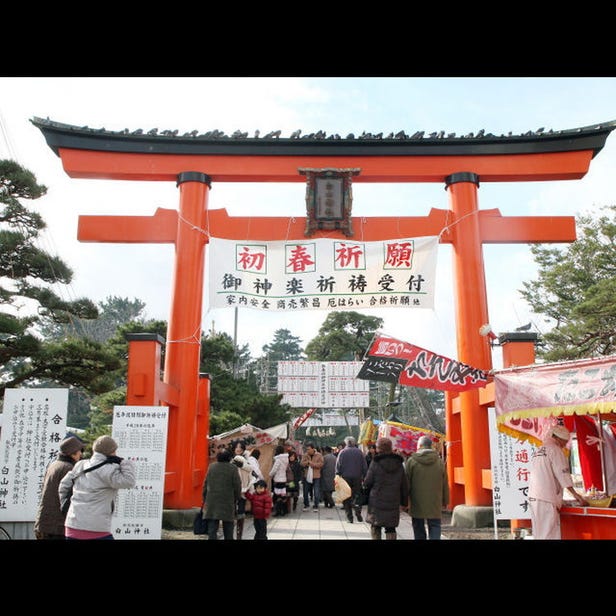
pixel 580 394
pixel 368 432
pixel 404 437
pixel 256 438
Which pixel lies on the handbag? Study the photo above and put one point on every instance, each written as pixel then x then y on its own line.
pixel 200 523
pixel 290 475
pixel 363 496
pixel 309 474
pixel 342 490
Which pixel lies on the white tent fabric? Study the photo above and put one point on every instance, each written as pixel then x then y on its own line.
pixel 263 440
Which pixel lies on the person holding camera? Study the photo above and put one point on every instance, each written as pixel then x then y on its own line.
pixel 95 483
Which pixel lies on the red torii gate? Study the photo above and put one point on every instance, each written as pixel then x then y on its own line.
pixel 194 162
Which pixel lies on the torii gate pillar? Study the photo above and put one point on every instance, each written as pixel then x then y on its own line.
pixel 186 396
pixel 471 312
pixel 184 334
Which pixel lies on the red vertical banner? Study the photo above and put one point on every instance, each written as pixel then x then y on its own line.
pixel 590 451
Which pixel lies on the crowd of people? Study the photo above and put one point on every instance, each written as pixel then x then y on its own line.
pixel 381 480
pixel 77 497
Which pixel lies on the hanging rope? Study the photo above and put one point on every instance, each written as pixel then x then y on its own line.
pixel 453 224
pixel 192 339
pixel 192 226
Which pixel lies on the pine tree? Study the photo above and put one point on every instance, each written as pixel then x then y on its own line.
pixel 575 291
pixel 26 271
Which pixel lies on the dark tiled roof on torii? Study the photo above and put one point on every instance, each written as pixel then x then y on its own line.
pixel 419 143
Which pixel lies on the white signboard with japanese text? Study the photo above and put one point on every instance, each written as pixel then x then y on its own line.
pixel 322 384
pixel 322 274
pixel 34 423
pixel 510 461
pixel 141 435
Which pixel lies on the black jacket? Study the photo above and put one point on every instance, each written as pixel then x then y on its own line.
pixel 388 488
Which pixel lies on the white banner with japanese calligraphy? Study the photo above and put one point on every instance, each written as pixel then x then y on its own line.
pixel 141 435
pixel 33 424
pixel 510 460
pixel 322 274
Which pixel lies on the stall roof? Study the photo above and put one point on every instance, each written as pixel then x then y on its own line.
pixel 529 397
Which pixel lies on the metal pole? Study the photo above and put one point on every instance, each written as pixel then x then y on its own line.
pixel 235 358
pixel 602 452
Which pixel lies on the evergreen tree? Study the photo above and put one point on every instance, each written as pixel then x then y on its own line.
pixel 25 272
pixel 575 291
pixel 113 312
pixel 343 336
pixel 235 400
pixel 284 347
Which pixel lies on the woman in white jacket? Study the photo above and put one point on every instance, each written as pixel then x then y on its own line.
pixel 247 480
pixel 278 475
pixel 95 490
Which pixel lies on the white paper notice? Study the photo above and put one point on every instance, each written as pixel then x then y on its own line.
pixel 33 424
pixel 322 384
pixel 510 473
pixel 141 435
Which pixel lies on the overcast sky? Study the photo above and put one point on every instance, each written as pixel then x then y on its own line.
pixel 334 105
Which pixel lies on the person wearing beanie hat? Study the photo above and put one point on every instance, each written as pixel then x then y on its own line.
pixel 426 474
pixel 105 445
pixel 95 483
pixel 549 477
pixel 71 445
pixel 49 519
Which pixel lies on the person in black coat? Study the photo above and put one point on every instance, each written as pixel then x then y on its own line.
pixel 328 474
pixel 293 486
pixel 371 453
pixel 388 490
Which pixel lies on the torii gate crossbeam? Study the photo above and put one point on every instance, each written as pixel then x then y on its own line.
pixel 195 162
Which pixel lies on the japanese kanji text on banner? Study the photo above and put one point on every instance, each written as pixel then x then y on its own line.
pixel 141 434
pixel 322 274
pixel 396 361
pixel 510 473
pixel 34 424
pixel 529 399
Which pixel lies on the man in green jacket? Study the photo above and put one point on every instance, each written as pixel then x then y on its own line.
pixel 426 474
pixel 221 490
